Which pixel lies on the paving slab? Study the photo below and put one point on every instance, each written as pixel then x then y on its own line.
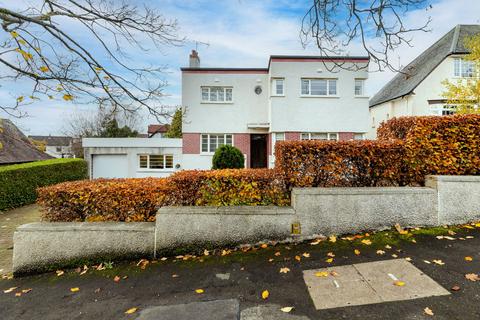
pixel 346 288
pixel 369 283
pixel 205 310
pixel 381 276
pixel 269 312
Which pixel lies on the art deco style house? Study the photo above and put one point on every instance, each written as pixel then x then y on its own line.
pixel 295 97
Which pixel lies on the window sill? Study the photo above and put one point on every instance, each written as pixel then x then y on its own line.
pixel 362 97
pixel 277 95
pixel 313 96
pixel 216 102
pixel 156 170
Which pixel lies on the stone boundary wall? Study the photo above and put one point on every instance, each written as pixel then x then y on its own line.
pixel 314 211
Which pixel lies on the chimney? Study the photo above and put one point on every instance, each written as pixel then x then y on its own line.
pixel 194 61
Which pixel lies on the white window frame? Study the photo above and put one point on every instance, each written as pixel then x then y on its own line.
pixel 442 109
pixel 275 139
pixel 309 94
pixel 148 168
pixel 359 136
pixel 362 88
pixel 209 88
pixel 218 145
pixel 310 134
pixel 274 87
pixel 461 67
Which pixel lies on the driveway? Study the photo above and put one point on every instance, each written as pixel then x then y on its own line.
pixel 9 221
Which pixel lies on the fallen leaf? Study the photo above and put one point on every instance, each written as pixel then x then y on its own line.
pixel 394 256
pixel 60 273
pixel 18 294
pixel 116 279
pixel 408 259
pixel 472 277
pixel 439 262
pixel 455 288
pixel 284 270
pixel 9 290
pixel 387 247
pixel 298 258
pixel 452 233
pixel 76 289
pixel 399 229
pixel 265 294
pixel 468 259
pixel 277 254
pixel 306 255
pixel 329 260
pixel 286 309
pixel 97 290
pixel 366 242
pixel 131 310
pixel 163 259
pixel 330 254
pixel 175 275
pixel 321 274
pixel 334 273
pixel 427 262
pixel 332 238
pixel 205 252
pixel 199 291
pixel 380 252
pixel 357 252
pixel 26 290
pixel 264 245
pixel 315 242
pixel 270 260
pixel 428 311
pixel 399 283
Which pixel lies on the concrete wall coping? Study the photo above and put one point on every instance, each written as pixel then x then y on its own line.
pixel 362 191
pixel 454 178
pixel 228 210
pixel 88 226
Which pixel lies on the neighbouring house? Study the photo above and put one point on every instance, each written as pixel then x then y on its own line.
pixel 15 147
pixel 157 130
pixel 56 146
pixel 132 157
pixel 293 98
pixel 417 89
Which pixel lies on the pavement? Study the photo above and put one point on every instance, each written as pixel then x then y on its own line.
pixel 9 221
pixel 233 285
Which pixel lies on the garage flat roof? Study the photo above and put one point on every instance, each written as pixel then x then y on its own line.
pixel 131 142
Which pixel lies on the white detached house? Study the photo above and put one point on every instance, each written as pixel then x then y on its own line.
pixel 294 98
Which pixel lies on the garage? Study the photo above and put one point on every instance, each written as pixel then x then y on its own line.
pixel 109 166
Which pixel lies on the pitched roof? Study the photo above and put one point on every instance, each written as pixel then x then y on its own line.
pixel 53 140
pixel 16 148
pixel 416 71
pixel 157 128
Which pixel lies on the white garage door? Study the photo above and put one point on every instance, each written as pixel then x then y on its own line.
pixel 109 166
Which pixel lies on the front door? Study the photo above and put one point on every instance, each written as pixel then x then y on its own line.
pixel 258 150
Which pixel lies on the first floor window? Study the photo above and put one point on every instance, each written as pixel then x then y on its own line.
pixel 278 87
pixel 155 161
pixel 444 110
pixel 217 94
pixel 319 87
pixel 319 136
pixel 211 142
pixel 359 87
pixel 463 68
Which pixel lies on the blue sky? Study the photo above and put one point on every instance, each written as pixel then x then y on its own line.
pixel 240 33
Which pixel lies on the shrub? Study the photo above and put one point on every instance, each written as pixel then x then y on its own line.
pixel 139 199
pixel 447 145
pixel 340 164
pixel 228 157
pixel 18 183
pixel 229 187
pixel 103 200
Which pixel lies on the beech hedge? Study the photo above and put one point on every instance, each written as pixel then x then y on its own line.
pixel 18 182
pixel 138 199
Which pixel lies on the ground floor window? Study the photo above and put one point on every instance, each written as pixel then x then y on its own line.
pixel 443 110
pixel 155 161
pixel 211 142
pixel 319 136
pixel 358 136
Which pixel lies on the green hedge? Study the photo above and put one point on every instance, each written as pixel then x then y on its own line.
pixel 18 182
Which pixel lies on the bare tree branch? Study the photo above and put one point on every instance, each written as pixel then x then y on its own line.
pixel 378 25
pixel 60 64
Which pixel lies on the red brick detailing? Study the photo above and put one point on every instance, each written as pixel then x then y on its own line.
pixel 344 136
pixel 191 143
pixel 242 142
pixel 289 136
